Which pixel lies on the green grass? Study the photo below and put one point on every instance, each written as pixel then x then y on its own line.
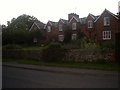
pixel 8 60
pixel 108 66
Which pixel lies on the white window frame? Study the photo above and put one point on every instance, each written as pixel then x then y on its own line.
pixel 60 28
pixel 106 35
pixel 90 24
pixel 49 28
pixel 106 21
pixel 74 36
pixel 74 26
pixel 61 38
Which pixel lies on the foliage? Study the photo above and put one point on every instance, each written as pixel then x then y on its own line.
pixel 17 31
pixel 80 34
pixel 53 52
pixel 91 45
pixel 107 44
pixel 67 34
pixel 71 46
pixel 54 45
pixel 11 46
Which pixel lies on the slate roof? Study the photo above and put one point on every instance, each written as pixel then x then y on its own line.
pixel 65 21
pixel 93 16
pixel 82 20
pixel 54 24
pixel 39 24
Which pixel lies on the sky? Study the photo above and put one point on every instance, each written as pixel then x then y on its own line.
pixel 53 10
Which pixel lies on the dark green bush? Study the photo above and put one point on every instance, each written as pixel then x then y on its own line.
pixel 11 46
pixel 107 44
pixel 53 54
pixel 54 45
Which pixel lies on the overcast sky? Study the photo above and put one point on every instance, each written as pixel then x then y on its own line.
pixel 53 10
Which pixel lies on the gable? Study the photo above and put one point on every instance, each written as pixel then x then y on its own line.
pixel 77 20
pixel 90 18
pixel 34 24
pixel 106 11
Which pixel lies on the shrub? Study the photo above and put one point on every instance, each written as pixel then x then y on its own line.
pixel 54 45
pixel 71 46
pixel 11 46
pixel 107 44
pixel 53 54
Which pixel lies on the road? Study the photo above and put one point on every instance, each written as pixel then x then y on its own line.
pixel 23 78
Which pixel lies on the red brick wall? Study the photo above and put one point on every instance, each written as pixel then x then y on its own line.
pixel 54 32
pixel 70 25
pixel 89 31
pixel 99 27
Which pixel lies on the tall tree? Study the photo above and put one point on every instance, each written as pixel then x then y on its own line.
pixel 67 34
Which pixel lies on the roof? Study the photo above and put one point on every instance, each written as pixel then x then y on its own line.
pixel 82 20
pixel 64 21
pixel 109 13
pixel 76 18
pixel 39 24
pixel 93 16
pixel 53 23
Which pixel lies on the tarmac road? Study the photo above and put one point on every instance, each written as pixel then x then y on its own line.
pixel 24 78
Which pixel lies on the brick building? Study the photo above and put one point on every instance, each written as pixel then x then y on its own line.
pixel 101 27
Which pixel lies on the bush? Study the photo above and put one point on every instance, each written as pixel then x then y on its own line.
pixel 54 45
pixel 71 46
pixel 108 44
pixel 53 54
pixel 11 46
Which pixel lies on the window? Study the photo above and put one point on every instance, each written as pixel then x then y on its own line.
pixel 35 40
pixel 106 35
pixel 61 37
pixel 60 27
pixel 95 37
pixel 74 36
pixel 90 25
pixel 106 21
pixel 49 28
pixel 73 26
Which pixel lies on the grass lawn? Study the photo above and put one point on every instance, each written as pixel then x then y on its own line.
pixel 107 66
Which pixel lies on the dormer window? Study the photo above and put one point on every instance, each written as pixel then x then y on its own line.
pixel 90 24
pixel 60 27
pixel 106 21
pixel 49 28
pixel 73 26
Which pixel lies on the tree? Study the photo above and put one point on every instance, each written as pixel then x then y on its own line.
pixel 67 34
pixel 80 34
pixel 17 30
